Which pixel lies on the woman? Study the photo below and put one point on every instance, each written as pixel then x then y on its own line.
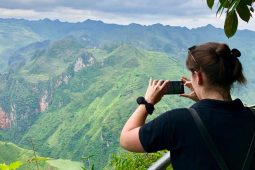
pixel 214 68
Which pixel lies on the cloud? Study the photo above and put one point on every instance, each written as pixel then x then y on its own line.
pixel 190 13
pixel 170 7
pixel 111 9
pixel 18 13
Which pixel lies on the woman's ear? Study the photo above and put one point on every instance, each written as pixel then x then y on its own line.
pixel 199 77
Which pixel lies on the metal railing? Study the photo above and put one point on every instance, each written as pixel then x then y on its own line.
pixel 165 160
pixel 162 163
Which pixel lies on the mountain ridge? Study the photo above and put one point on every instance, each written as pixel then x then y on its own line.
pixel 72 94
pixel 92 21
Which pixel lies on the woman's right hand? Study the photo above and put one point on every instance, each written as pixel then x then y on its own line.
pixel 192 95
pixel 155 91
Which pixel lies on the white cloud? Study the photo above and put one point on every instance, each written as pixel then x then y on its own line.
pixel 15 2
pixel 190 13
pixel 18 13
pixel 170 7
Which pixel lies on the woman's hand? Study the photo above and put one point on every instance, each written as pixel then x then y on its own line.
pixel 192 95
pixel 155 91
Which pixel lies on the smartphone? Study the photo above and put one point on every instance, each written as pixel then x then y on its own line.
pixel 174 87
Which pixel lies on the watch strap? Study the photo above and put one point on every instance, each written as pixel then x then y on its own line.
pixel 148 106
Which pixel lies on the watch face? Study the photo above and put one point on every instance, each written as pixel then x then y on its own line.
pixel 140 100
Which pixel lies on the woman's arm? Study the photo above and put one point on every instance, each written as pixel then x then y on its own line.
pixel 129 138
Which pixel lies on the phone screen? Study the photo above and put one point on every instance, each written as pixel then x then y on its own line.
pixel 174 87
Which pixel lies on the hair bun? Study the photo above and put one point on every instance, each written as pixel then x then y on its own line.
pixel 222 50
pixel 235 52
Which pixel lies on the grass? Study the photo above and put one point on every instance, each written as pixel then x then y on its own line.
pixel 11 153
pixel 61 164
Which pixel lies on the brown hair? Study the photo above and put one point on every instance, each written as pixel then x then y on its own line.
pixel 220 64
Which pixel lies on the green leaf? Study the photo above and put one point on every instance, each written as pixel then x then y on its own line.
pixel 248 2
pixel 210 3
pixel 225 3
pixel 220 9
pixel 243 11
pixel 4 167
pixel 15 165
pixel 231 24
pixel 251 9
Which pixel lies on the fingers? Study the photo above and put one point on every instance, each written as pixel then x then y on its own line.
pixel 164 84
pixel 160 82
pixel 187 83
pixel 185 95
pixel 189 96
pixel 184 79
pixel 155 82
pixel 150 82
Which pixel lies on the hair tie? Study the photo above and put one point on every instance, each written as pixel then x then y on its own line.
pixel 235 53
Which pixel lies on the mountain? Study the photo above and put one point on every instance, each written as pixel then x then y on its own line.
pixel 72 88
pixel 96 33
pixel 96 102
pixel 13 36
pixel 90 98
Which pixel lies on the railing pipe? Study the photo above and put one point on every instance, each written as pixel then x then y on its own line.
pixel 162 163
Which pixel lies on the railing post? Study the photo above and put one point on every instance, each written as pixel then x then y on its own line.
pixel 162 163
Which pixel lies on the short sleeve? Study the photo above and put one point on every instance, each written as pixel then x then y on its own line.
pixel 157 134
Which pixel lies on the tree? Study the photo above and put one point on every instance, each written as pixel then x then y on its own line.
pixel 243 8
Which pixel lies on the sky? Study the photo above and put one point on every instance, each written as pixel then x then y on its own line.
pixel 189 13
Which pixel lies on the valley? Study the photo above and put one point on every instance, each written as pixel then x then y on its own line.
pixel 71 86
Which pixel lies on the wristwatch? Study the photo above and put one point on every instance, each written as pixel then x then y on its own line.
pixel 148 106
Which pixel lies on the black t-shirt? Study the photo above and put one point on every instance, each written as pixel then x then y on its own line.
pixel 229 123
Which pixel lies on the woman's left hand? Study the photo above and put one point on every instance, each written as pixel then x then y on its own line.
pixel 155 91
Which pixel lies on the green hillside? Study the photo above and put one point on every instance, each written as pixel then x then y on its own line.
pixel 100 99
pixel 37 71
pixel 10 153
pixel 51 61
pixel 72 90
pixel 13 37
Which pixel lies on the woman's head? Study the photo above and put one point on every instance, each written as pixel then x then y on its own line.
pixel 218 63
